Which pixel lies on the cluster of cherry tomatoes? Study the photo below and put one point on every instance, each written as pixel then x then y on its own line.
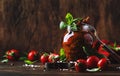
pixel 13 55
pixel 80 65
pixel 91 63
pixel 32 55
pixel 52 58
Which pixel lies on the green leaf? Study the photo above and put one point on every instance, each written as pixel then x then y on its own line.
pixel 85 51
pixel 4 61
pixel 46 54
pixel 62 52
pixel 69 18
pixel 74 27
pixel 93 70
pixel 5 55
pixel 23 58
pixel 62 55
pixel 115 47
pixel 63 25
pixel 77 19
pixel 28 62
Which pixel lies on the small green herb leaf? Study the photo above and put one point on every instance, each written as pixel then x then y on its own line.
pixel 62 52
pixel 85 51
pixel 74 27
pixel 77 19
pixel 62 55
pixel 5 56
pixel 69 18
pixel 4 61
pixel 46 54
pixel 28 62
pixel 117 48
pixel 63 25
pixel 93 70
pixel 22 58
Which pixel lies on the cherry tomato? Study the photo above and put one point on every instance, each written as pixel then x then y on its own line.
pixel 12 54
pixel 102 64
pixel 92 61
pixel 53 57
pixel 80 65
pixel 81 61
pixel 101 50
pixel 33 55
pixel 44 58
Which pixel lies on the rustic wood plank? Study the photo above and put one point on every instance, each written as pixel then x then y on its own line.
pixel 34 24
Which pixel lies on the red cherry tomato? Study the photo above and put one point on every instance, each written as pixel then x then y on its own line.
pixel 80 65
pixel 33 55
pixel 53 58
pixel 102 64
pixel 12 54
pixel 44 58
pixel 92 61
pixel 101 50
pixel 81 61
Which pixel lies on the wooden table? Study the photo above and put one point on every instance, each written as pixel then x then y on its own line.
pixel 20 69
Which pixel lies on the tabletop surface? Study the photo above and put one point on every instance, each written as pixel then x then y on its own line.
pixel 37 69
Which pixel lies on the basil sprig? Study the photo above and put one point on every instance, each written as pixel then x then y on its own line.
pixel 69 21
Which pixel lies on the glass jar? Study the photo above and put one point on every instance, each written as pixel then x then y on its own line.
pixel 74 41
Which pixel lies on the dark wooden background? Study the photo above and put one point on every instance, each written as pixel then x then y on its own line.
pixel 34 24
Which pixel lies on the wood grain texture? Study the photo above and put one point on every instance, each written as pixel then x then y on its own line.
pixel 34 24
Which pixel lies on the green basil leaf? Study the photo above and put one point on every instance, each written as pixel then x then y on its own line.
pixel 63 25
pixel 93 70
pixel 69 18
pixel 62 52
pixel 22 58
pixel 46 54
pixel 73 27
pixel 5 55
pixel 4 61
pixel 62 55
pixel 28 62
pixel 77 19
pixel 85 51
